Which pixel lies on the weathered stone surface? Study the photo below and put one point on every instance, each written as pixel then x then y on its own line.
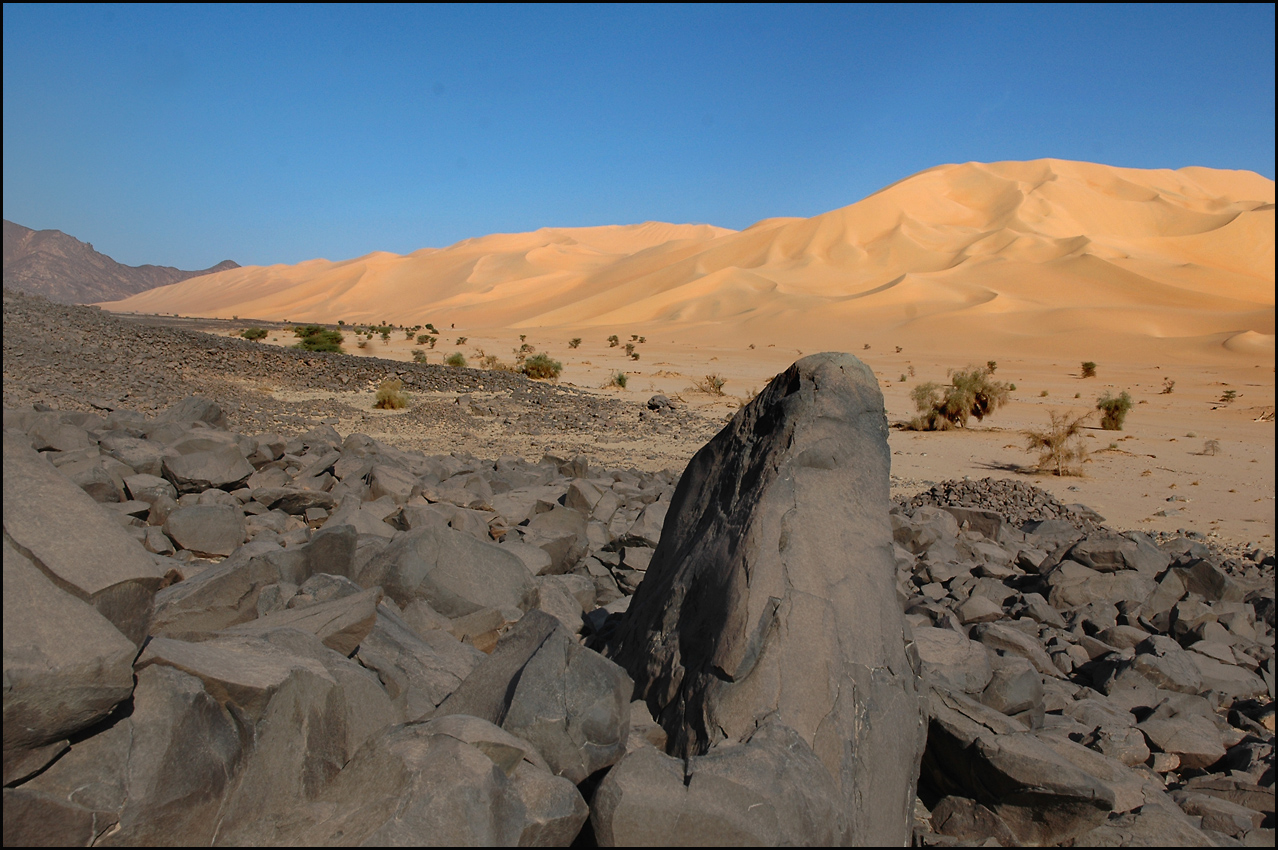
pixel 207 530
pixel 451 570
pixel 223 467
pixel 952 661
pixel 778 557
pixel 86 552
pixel 770 791
pixel 340 623
pixel 541 685
pixel 65 665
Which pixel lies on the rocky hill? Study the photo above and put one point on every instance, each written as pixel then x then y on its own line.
pixel 64 269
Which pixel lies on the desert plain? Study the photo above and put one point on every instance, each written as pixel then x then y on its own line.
pixel 1164 279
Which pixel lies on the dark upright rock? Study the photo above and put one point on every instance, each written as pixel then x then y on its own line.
pixel 772 594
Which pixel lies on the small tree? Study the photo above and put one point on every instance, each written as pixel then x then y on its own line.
pixel 970 393
pixel 541 366
pixel 574 342
pixel 630 348
pixel 385 334
pixel 254 334
pixel 1060 445
pixel 1228 396
pixel 1114 410
pixel 456 359
pixel 1089 369
pixel 317 338
pixel 389 396
pixel 613 341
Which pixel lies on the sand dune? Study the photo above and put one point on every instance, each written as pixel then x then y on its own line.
pixel 1049 253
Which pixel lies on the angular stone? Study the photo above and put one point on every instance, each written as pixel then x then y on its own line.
pixel 777 555
pixel 452 571
pixel 539 684
pixel 979 609
pixel 1015 687
pixel 340 623
pixel 770 791
pixel 1220 815
pixel 1007 639
pixel 294 500
pixel 69 536
pixel 561 533
pixel 1210 582
pixel 65 666
pixel 223 467
pixel 952 661
pixel 207 530
pixel 1193 739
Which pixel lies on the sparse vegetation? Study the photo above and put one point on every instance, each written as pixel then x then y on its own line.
pixel 1089 369
pixel 865 347
pixel 1168 386
pixel 1228 396
pixel 618 380
pixel 385 334
pixel 910 370
pixel 362 343
pixel 630 348
pixel 991 366
pixel 970 393
pixel 419 357
pixel 1114 410
pixel 1060 446
pixel 461 340
pixel 902 378
pixel 253 334
pixel 711 384
pixel 389 395
pixel 1210 447
pixel 613 341
pixel 574 342
pixel 1043 394
pixel 426 339
pixel 317 338
pixel 541 366
pixel 456 359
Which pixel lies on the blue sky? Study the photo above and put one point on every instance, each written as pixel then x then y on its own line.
pixel 185 135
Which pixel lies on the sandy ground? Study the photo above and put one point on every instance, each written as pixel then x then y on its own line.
pixel 1158 463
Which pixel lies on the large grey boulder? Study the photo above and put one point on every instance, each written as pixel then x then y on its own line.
pixel 207 530
pixel 76 543
pixel 539 684
pixel 65 666
pixel 223 467
pixel 773 592
pixel 456 573
pixel 772 791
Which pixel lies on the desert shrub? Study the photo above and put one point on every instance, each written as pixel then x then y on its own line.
pixel 1060 445
pixel 455 359
pixel 910 371
pixel 643 339
pixel 618 380
pixel 574 342
pixel 541 366
pixel 461 340
pixel 899 349
pixel 425 339
pixel 865 347
pixel 634 355
pixel 430 327
pixel 408 333
pixel 521 353
pixel 1043 394
pixel 1114 410
pixel 902 378
pixel 1228 396
pixel 253 333
pixel 1089 369
pixel 389 396
pixel 712 384
pixel 362 343
pixel 1210 447
pixel 1168 386
pixel 630 348
pixel 970 393
pixel 419 357
pixel 613 342
pixel 991 366
pixel 386 335
pixel 317 338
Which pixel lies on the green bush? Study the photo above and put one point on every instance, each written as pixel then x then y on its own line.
pixel 574 342
pixel 419 357
pixel 456 359
pixel 618 380
pixel 389 396
pixel 970 393
pixel 253 333
pixel 317 338
pixel 541 366
pixel 1089 369
pixel 613 341
pixel 1114 410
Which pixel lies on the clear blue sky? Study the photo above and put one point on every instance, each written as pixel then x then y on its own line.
pixel 184 135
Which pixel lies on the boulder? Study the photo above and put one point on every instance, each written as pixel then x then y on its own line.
pixel 223 467
pixel 83 549
pixel 773 593
pixel 539 684
pixel 207 530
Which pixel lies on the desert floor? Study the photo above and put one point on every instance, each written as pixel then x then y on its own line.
pixel 1158 473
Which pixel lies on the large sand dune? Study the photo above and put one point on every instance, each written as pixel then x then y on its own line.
pixel 1050 255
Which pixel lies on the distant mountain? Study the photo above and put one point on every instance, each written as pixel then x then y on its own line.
pixel 62 268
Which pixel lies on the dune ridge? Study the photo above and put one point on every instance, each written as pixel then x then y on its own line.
pixel 1002 253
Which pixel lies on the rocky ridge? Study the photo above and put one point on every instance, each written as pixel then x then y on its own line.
pixel 343 640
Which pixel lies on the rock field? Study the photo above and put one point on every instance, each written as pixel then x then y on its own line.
pixel 226 622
